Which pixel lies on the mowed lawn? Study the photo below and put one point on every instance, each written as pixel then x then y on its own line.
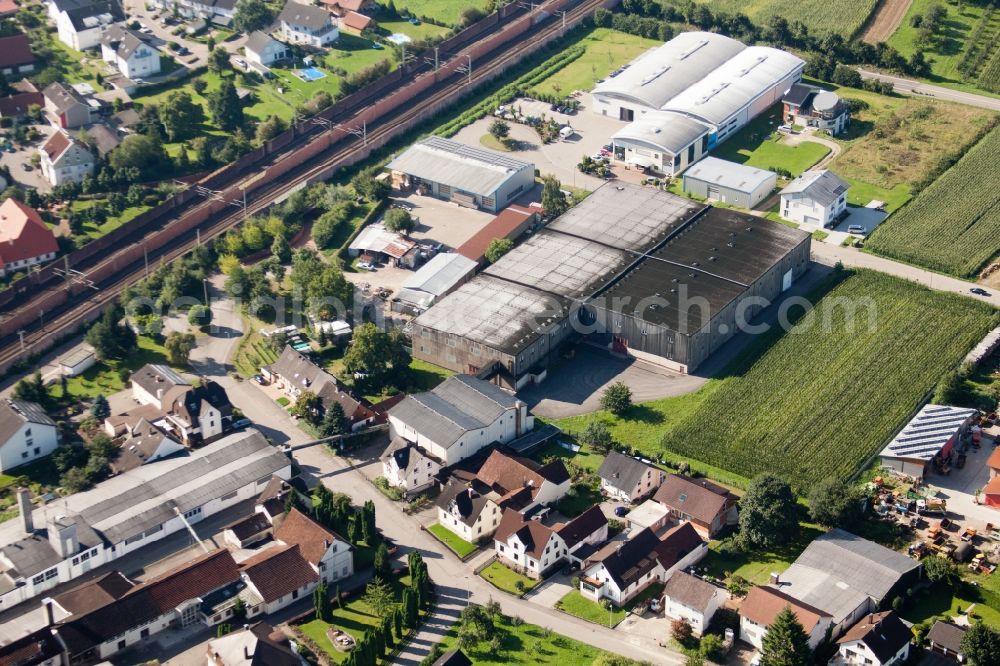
pixel 457 544
pixel 102 378
pixel 445 11
pixel 760 146
pixel 604 50
pixel 844 17
pixel 415 32
pixel 525 645
pixel 506 579
pixel 821 399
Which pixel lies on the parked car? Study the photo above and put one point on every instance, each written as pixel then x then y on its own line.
pixel 259 379
pixel 621 511
pixel 655 604
pixel 241 62
pixel 242 423
pixel 856 229
pixel 364 265
pixel 414 21
pixel 376 46
pixel 979 291
pixel 27 167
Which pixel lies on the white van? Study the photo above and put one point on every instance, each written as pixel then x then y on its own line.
pixel 566 132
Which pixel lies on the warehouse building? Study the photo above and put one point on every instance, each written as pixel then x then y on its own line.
pixel 643 271
pixel 470 176
pixel 440 276
pixel 689 95
pixel 729 182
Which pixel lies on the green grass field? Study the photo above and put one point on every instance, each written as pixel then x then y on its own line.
pixel 457 544
pixel 950 48
pixel 824 397
pixel 604 50
pixel 758 145
pixel 414 32
pixel 445 11
pixel 525 645
pixel 92 230
pixel 756 566
pixel 845 17
pixel 506 579
pixel 580 606
pixel 953 226
pixel 103 379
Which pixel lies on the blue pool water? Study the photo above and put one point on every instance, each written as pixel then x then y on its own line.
pixel 310 74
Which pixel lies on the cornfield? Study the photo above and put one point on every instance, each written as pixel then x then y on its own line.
pixel 953 225
pixel 831 392
pixel 820 16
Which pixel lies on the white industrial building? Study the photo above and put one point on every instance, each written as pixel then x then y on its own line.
pixel 469 176
pixel 440 276
pixel 729 182
pixel 689 95
pixel 85 530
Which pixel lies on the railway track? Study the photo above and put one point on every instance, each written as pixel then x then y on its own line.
pixel 345 150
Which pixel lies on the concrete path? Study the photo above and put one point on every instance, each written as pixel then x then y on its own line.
pixel 830 254
pixel 809 137
pixel 911 87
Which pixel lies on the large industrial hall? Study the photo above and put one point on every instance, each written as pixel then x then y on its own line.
pixel 637 269
pixel 690 94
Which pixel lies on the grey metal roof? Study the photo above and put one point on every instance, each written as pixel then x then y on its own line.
pixel 561 264
pixel 664 130
pixel 440 275
pixel 735 83
pixel 626 216
pixel 15 413
pixel 927 432
pixel 258 41
pixel 824 186
pixel 466 168
pixel 839 569
pixel 496 313
pixel 459 404
pixel 143 498
pixel 659 75
pixel 731 175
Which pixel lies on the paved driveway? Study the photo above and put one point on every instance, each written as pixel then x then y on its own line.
pixel 960 487
pixel 575 385
pixel 551 591
pixel 15 161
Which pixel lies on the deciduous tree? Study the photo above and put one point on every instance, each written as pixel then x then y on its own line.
pixel 768 513
pixel 617 398
pixel 179 346
pixel 497 248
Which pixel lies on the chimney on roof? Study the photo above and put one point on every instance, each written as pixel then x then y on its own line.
pixel 49 620
pixel 775 579
pixel 24 508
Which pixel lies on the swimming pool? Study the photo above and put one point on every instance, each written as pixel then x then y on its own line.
pixel 399 38
pixel 310 74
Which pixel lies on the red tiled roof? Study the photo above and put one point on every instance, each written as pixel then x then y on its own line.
pixel 8 7
pixel 15 50
pixel 279 571
pixel 17 104
pixel 509 223
pixel 992 487
pixel 312 538
pixel 194 579
pixel 347 5
pixel 506 473
pixel 355 21
pixel 994 460
pixel 57 145
pixel 763 604
pixel 532 533
pixel 23 235
pixel 698 498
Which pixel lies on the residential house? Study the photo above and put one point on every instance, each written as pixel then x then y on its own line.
pixel 878 639
pixel 692 599
pixel 507 474
pixel 342 7
pixel 649 514
pixel 82 23
pixel 331 556
pixel 406 467
pixel 816 197
pixel 129 53
pixel 623 569
pixel 471 514
pixel 65 160
pixel 307 24
pixel 104 139
pixel 460 417
pixel 848 577
pixel 157 385
pixel 762 605
pixel 584 534
pixel 263 49
pixel 279 576
pixel 355 23
pixel 16 58
pixel 532 548
pixel 39 648
pixel 145 443
pixel 255 645
pixel 453 658
pixel 129 511
pixel 24 238
pixel 295 372
pixel 66 107
pixel 219 12
pixel 945 638
pixel 173 599
pixel 627 479
pixel 8 8
pixel 17 104
pixel 709 507
pixel 991 491
pixel 812 106
pixel 27 433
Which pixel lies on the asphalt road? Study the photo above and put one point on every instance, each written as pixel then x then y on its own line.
pixel 919 88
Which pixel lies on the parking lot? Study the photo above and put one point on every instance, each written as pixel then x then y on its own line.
pixel 558 158
pixel 15 161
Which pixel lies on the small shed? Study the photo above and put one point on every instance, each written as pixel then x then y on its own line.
pixel 649 514
pixel 729 182
pixel 77 361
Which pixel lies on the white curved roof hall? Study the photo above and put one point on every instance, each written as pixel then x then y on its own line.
pixel 735 84
pixel 656 77
pixel 670 132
